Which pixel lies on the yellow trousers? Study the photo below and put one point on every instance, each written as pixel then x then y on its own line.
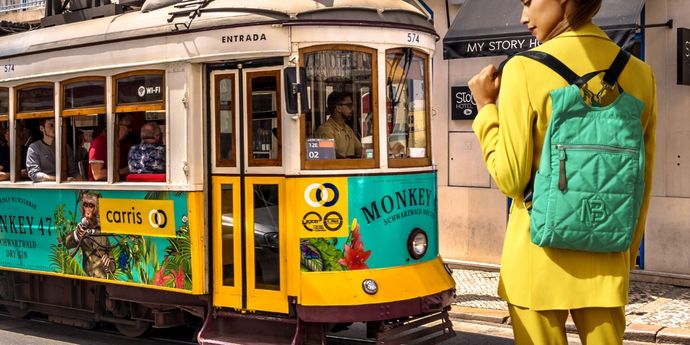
pixel 596 326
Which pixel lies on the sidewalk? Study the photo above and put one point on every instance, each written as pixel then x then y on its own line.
pixel 656 313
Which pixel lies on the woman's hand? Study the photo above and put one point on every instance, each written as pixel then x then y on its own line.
pixel 485 86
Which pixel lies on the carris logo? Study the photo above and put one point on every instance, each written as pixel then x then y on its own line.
pixel 325 195
pixel 158 219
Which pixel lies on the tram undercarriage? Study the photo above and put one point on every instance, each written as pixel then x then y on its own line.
pixel 133 312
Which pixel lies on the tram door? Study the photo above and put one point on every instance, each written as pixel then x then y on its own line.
pixel 248 193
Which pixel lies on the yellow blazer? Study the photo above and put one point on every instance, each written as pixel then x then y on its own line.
pixel 511 136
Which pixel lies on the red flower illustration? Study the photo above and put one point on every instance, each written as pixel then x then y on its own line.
pixel 179 278
pixel 355 255
pixel 159 279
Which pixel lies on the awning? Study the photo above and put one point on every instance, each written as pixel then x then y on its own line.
pixel 492 27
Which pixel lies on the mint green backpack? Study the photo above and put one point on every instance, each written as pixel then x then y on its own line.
pixel 589 186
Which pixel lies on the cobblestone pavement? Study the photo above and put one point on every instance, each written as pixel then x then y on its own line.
pixel 657 309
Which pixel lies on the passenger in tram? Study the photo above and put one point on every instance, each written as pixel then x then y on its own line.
pixel 40 157
pixel 98 151
pixel 148 157
pixel 347 144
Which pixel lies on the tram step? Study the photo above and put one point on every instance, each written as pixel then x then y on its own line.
pixel 429 329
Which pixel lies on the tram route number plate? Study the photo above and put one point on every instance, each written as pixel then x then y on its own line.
pixel 318 149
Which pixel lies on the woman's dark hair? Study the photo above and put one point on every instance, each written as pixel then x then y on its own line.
pixel 582 13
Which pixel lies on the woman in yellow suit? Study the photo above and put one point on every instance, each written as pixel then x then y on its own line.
pixel 543 285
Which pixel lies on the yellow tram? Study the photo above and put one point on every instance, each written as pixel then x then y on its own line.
pixel 292 188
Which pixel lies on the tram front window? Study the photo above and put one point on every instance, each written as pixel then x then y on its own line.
pixel 340 123
pixel 407 119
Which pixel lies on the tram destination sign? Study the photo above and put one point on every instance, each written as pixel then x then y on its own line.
pixel 318 149
pixel 463 106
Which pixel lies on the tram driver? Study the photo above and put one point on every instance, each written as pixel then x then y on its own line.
pixel 347 144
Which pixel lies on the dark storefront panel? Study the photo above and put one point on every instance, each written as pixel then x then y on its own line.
pixel 492 27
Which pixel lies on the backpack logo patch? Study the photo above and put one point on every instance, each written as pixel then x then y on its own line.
pixel 593 211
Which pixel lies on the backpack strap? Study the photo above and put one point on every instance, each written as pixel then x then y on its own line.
pixel 610 79
pixel 616 68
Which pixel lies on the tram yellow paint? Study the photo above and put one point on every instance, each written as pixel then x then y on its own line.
pixel 395 284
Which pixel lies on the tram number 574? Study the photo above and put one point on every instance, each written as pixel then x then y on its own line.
pixel 9 68
pixel 412 37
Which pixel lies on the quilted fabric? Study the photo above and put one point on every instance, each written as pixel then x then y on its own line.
pixel 589 185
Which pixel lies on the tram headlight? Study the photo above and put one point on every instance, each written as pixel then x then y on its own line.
pixel 417 243
pixel 370 286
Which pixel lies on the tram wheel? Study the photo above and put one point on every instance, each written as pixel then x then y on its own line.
pixel 134 331
pixel 17 312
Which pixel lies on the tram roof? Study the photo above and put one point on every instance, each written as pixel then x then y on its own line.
pixel 219 14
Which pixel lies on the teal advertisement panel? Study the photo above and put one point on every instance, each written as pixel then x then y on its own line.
pixel 76 233
pixel 382 213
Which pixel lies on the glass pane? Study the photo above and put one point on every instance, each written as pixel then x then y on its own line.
pixel 88 93
pixel 27 133
pixel 340 120
pixel 226 122
pixel 266 235
pixel 406 104
pixel 140 89
pixel 227 234
pixel 38 98
pixel 264 118
pixel 4 150
pixel 4 101
pixel 80 133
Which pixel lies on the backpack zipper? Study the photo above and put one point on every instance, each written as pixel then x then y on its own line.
pixel 562 157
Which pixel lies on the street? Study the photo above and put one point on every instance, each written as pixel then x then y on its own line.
pixel 36 331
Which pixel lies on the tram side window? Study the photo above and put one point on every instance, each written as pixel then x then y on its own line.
pixel 140 151
pixel 4 150
pixel 4 135
pixel 341 122
pixel 407 110
pixel 83 120
pixel 35 128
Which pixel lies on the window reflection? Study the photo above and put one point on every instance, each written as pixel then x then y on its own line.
pixel 406 104
pixel 4 101
pixel 225 122
pixel 266 237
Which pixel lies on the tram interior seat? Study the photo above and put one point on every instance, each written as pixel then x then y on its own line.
pixel 145 178
pixel 83 165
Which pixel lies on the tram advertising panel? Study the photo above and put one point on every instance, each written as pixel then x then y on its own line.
pixel 77 233
pixel 381 213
